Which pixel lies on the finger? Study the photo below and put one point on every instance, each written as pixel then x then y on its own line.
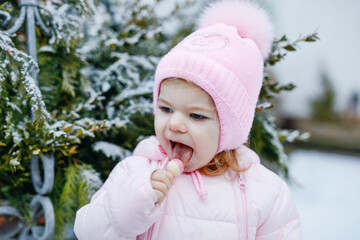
pixel 170 176
pixel 167 174
pixel 163 176
pixel 160 196
pixel 160 186
pixel 158 173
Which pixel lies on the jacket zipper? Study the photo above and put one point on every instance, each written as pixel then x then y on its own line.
pixel 150 232
pixel 242 184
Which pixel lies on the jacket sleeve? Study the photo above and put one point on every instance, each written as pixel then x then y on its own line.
pixel 124 207
pixel 283 222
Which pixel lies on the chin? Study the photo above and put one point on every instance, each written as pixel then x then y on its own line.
pixel 188 169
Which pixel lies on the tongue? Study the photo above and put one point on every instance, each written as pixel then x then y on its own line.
pixel 182 152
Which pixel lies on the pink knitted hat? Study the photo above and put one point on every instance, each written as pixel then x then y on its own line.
pixel 225 57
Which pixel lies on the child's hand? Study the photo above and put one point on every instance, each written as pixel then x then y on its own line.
pixel 161 181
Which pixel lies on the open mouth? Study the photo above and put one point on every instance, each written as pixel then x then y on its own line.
pixel 181 151
pixel 172 143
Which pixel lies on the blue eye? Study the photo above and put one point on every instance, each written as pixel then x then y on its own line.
pixel 166 109
pixel 197 116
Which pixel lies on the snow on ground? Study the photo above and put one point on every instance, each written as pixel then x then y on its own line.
pixel 327 194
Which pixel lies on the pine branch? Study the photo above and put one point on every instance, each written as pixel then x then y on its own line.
pixel 283 45
pixel 81 182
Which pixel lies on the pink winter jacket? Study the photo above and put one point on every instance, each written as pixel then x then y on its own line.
pixel 256 204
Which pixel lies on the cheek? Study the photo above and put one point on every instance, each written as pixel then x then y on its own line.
pixel 209 141
pixel 158 131
pixel 213 134
pixel 158 123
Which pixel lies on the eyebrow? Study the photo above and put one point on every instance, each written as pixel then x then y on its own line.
pixel 160 100
pixel 192 107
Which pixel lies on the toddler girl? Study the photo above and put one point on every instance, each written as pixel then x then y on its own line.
pixel 205 94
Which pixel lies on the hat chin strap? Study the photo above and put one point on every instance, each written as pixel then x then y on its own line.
pixel 199 186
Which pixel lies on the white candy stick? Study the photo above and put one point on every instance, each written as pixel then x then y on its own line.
pixel 176 167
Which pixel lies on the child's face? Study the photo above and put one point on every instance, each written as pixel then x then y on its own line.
pixel 187 124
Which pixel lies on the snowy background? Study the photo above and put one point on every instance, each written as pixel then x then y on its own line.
pixel 327 194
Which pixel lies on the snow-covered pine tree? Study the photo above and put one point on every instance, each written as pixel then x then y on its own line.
pixel 95 81
pixel 20 136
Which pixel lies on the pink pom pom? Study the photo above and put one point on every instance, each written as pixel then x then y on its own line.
pixel 247 17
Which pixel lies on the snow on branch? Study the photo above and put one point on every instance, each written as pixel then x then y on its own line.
pixel 18 65
pixel 111 150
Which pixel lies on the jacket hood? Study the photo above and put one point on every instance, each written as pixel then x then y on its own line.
pixel 150 148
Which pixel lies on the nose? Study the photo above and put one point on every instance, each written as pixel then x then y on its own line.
pixel 177 123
